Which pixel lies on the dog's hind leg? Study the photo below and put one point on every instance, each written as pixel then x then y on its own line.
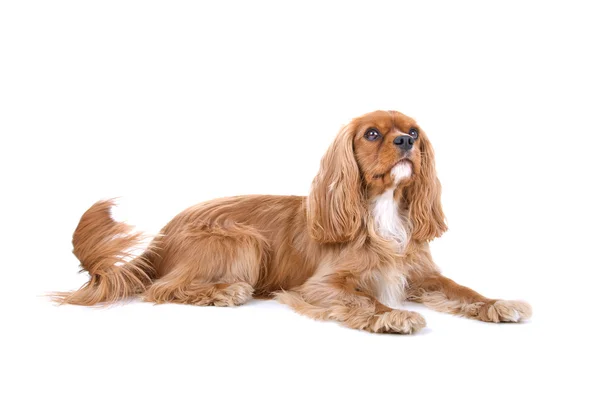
pixel 211 266
pixel 200 294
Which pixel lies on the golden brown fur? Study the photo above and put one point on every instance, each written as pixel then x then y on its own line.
pixel 359 239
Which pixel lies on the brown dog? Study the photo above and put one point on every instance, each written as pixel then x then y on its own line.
pixel 350 251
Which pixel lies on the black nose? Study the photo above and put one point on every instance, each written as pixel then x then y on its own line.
pixel 404 142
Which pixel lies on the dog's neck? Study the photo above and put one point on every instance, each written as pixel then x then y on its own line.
pixel 389 221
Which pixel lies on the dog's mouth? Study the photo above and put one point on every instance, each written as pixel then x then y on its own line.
pixel 403 161
pixel 402 164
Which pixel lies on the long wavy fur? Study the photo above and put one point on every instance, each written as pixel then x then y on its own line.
pixel 105 249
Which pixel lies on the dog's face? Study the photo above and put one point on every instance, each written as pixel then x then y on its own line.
pixel 373 153
pixel 387 147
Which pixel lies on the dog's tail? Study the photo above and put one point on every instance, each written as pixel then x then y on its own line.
pixel 104 248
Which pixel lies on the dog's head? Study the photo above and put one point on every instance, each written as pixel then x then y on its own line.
pixel 376 152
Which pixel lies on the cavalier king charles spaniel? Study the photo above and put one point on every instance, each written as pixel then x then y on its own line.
pixel 352 251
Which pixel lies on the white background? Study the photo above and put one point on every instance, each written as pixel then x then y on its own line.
pixel 171 103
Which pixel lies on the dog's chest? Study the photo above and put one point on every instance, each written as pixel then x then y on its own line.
pixel 389 287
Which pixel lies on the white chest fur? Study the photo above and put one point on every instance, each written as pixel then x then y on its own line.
pixel 389 287
pixel 387 219
pixel 385 211
pixel 390 225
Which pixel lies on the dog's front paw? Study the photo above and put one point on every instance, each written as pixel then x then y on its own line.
pixel 397 321
pixel 505 311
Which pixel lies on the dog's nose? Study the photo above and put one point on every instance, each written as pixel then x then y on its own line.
pixel 404 142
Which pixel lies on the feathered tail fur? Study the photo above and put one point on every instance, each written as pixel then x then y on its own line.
pixel 104 248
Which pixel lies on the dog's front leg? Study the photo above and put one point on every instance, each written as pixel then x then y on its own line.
pixel 339 297
pixel 443 294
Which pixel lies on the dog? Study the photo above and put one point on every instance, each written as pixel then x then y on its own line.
pixel 352 251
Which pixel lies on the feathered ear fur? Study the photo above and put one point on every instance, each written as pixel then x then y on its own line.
pixel 336 200
pixel 424 198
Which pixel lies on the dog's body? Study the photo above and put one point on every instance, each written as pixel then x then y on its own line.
pixel 353 249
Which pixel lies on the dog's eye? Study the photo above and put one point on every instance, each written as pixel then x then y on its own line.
pixel 372 134
pixel 414 132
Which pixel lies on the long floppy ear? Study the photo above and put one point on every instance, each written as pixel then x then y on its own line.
pixel 336 201
pixel 424 198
